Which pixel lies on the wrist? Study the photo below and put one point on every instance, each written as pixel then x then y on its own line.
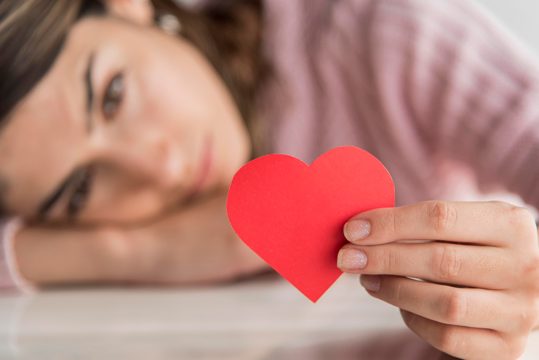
pixel 246 260
pixel 115 255
pixel 133 254
pixel 48 256
pixel 13 274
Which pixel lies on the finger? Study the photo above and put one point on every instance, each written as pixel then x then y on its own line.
pixel 462 342
pixel 486 223
pixel 448 263
pixel 475 308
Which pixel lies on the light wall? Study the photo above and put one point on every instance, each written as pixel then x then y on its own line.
pixel 521 16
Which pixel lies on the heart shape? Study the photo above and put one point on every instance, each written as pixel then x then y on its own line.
pixel 292 215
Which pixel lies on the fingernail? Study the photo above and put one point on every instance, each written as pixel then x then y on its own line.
pixel 351 259
pixel 370 282
pixel 357 229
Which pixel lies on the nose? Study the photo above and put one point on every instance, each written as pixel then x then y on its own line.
pixel 156 161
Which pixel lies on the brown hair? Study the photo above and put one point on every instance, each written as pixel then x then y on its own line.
pixel 31 36
pixel 32 33
pixel 227 32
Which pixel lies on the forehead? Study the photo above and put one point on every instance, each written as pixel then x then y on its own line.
pixel 40 143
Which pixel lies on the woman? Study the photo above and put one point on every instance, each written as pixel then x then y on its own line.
pixel 135 134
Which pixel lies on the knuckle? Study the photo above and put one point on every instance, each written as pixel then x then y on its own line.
pixel 515 347
pixel 526 314
pixel 446 262
pixel 441 215
pixel 524 317
pixel 117 253
pixel 534 307
pixel 532 314
pixel 454 307
pixel 500 205
pixel 387 220
pixel 521 220
pixel 530 272
pixel 389 260
pixel 529 318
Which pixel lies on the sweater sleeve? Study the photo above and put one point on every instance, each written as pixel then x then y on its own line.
pixel 10 278
pixel 467 86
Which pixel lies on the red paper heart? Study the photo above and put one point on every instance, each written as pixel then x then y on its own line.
pixel 292 215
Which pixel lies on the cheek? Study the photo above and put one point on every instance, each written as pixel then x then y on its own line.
pixel 119 196
pixel 181 95
pixel 127 205
pixel 171 105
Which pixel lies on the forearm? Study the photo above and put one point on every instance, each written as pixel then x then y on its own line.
pixel 188 245
pixel 197 244
pixel 47 256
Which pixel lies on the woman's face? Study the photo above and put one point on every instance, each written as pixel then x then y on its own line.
pixel 127 123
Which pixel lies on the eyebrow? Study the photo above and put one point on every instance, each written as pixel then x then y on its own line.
pixel 57 194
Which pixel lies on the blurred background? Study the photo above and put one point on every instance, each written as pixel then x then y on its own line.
pixel 260 319
pixel 520 16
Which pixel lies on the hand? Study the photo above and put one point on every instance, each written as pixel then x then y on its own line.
pixel 192 244
pixel 478 265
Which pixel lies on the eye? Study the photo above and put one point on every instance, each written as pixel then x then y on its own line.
pixel 81 192
pixel 113 96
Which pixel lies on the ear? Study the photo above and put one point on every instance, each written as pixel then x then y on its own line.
pixel 139 11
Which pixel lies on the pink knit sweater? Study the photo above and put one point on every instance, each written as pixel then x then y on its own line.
pixel 436 89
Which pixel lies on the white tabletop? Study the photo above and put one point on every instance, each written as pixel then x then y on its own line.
pixel 264 318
